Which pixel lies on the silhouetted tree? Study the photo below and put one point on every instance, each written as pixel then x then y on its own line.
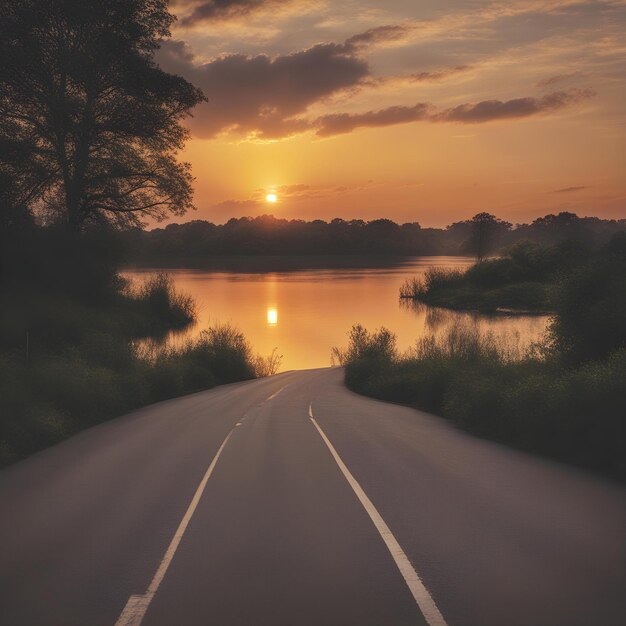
pixel 485 231
pixel 591 306
pixel 95 123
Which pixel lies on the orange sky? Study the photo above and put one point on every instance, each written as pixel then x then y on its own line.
pixel 418 111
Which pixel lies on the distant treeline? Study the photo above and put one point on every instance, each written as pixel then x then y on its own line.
pixel 268 235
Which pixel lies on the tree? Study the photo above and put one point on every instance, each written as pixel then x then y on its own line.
pixel 95 122
pixel 485 231
pixel 590 307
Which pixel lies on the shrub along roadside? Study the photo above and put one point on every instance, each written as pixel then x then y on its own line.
pixel 567 400
pixel 67 363
pixel 574 414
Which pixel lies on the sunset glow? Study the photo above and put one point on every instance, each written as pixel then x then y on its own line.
pixel 282 279
pixel 386 113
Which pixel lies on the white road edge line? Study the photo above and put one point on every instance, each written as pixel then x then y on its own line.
pixel 422 596
pixel 275 394
pixel 136 607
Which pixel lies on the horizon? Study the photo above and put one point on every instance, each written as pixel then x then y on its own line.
pixel 174 221
pixel 385 112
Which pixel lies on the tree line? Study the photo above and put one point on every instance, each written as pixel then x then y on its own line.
pixel 480 236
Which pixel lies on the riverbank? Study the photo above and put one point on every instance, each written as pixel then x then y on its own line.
pixel 572 414
pixel 80 345
pixel 563 398
pixel 79 364
pixel 523 281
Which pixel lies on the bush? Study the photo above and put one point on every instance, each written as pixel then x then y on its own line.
pixel 223 350
pixel 522 280
pixel 68 382
pixel 267 365
pixel 486 385
pixel 591 308
pixel 68 324
pixel 159 302
pixel 377 346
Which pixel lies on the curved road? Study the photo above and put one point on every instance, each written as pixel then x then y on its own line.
pixel 290 501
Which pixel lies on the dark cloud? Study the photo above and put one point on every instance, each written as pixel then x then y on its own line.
pixel 269 97
pixel 569 189
pixel 215 10
pixel 340 123
pixel 486 111
pixel 262 94
pixel 176 57
pixel 490 110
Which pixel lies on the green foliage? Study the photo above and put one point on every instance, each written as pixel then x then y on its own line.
pixel 379 345
pixel 89 124
pixel 524 279
pixel 199 240
pixel 56 393
pixel 485 232
pixel 590 307
pixel 435 279
pixel 221 351
pixel 157 297
pixel 67 363
pixel 527 399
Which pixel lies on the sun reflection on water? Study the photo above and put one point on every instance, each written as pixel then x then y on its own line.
pixel 272 316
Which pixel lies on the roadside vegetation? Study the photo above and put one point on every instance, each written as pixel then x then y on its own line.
pixel 90 131
pixel 564 398
pixel 79 345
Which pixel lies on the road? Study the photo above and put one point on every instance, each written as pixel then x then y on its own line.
pixel 290 501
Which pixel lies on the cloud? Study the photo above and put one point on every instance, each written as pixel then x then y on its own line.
pixel 469 113
pixel 301 191
pixel 263 95
pixel 268 97
pixel 418 77
pixel 552 81
pixel 569 189
pixel 490 110
pixel 378 35
pixel 236 207
pixel 216 10
pixel 293 193
pixel 339 123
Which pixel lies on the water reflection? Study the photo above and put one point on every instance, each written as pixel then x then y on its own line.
pixel 319 305
pixel 272 316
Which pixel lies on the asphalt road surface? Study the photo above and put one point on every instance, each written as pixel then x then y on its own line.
pixel 290 501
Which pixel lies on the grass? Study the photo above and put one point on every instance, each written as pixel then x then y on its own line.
pixel 67 363
pixel 522 280
pixel 454 289
pixel 527 399
pixel 564 398
pixel 157 299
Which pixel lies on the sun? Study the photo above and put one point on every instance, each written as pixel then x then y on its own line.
pixel 271 197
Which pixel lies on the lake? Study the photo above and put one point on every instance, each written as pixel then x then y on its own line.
pixel 305 306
